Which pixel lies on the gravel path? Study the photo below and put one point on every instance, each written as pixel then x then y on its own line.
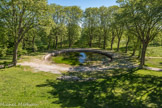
pixel 41 65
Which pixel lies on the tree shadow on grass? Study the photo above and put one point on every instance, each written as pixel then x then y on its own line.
pixel 124 90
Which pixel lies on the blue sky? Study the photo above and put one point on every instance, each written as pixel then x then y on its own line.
pixel 84 3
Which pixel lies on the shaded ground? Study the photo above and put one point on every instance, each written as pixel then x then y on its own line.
pixel 112 89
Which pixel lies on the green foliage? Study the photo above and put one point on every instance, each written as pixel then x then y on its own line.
pixel 3 51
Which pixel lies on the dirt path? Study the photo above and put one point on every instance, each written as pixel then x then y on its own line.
pixel 45 66
pixel 155 57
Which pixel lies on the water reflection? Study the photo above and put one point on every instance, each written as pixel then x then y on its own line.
pixel 82 57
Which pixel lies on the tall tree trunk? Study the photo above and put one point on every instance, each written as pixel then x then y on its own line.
pixel 99 43
pixel 142 61
pixel 112 42
pixel 33 43
pixel 69 44
pixel 90 37
pixel 139 53
pixel 14 60
pixel 135 47
pixel 61 42
pixel 104 46
pixel 69 35
pixel 70 41
pixel 126 48
pixel 48 45
pixel 118 44
pixel 90 41
pixel 24 45
pixel 56 42
pixel 134 50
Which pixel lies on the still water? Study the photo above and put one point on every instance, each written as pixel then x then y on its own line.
pixel 82 57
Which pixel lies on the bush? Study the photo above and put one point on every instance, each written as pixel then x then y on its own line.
pixel 3 51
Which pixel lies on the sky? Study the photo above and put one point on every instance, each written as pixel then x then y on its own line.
pixel 84 3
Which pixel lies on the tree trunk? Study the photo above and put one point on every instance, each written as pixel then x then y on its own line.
pixel 112 40
pixel 104 46
pixel 69 35
pixel 126 48
pixel 24 45
pixel 142 61
pixel 139 53
pixel 14 60
pixel 134 50
pixel 99 44
pixel 118 44
pixel 70 41
pixel 49 45
pixel 90 41
pixel 49 42
pixel 61 42
pixel 33 44
pixel 56 42
pixel 69 44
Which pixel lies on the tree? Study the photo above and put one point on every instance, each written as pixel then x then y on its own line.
pixel 104 23
pixel 112 13
pixel 91 22
pixel 144 18
pixel 21 16
pixel 74 15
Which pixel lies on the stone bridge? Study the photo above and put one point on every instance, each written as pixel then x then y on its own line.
pixel 102 52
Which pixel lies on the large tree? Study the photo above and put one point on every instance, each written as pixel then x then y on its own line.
pixel 21 16
pixel 143 18
pixel 73 15
pixel 91 22
pixel 104 23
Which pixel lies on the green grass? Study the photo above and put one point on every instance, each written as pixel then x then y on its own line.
pixel 19 85
pixel 151 51
pixel 137 88
pixel 154 62
pixel 65 59
pixel 148 73
pixel 61 60
pixel 154 51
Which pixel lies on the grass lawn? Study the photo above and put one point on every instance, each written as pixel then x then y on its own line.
pixel 154 51
pixel 67 58
pixel 136 89
pixel 62 60
pixel 19 85
pixel 154 62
